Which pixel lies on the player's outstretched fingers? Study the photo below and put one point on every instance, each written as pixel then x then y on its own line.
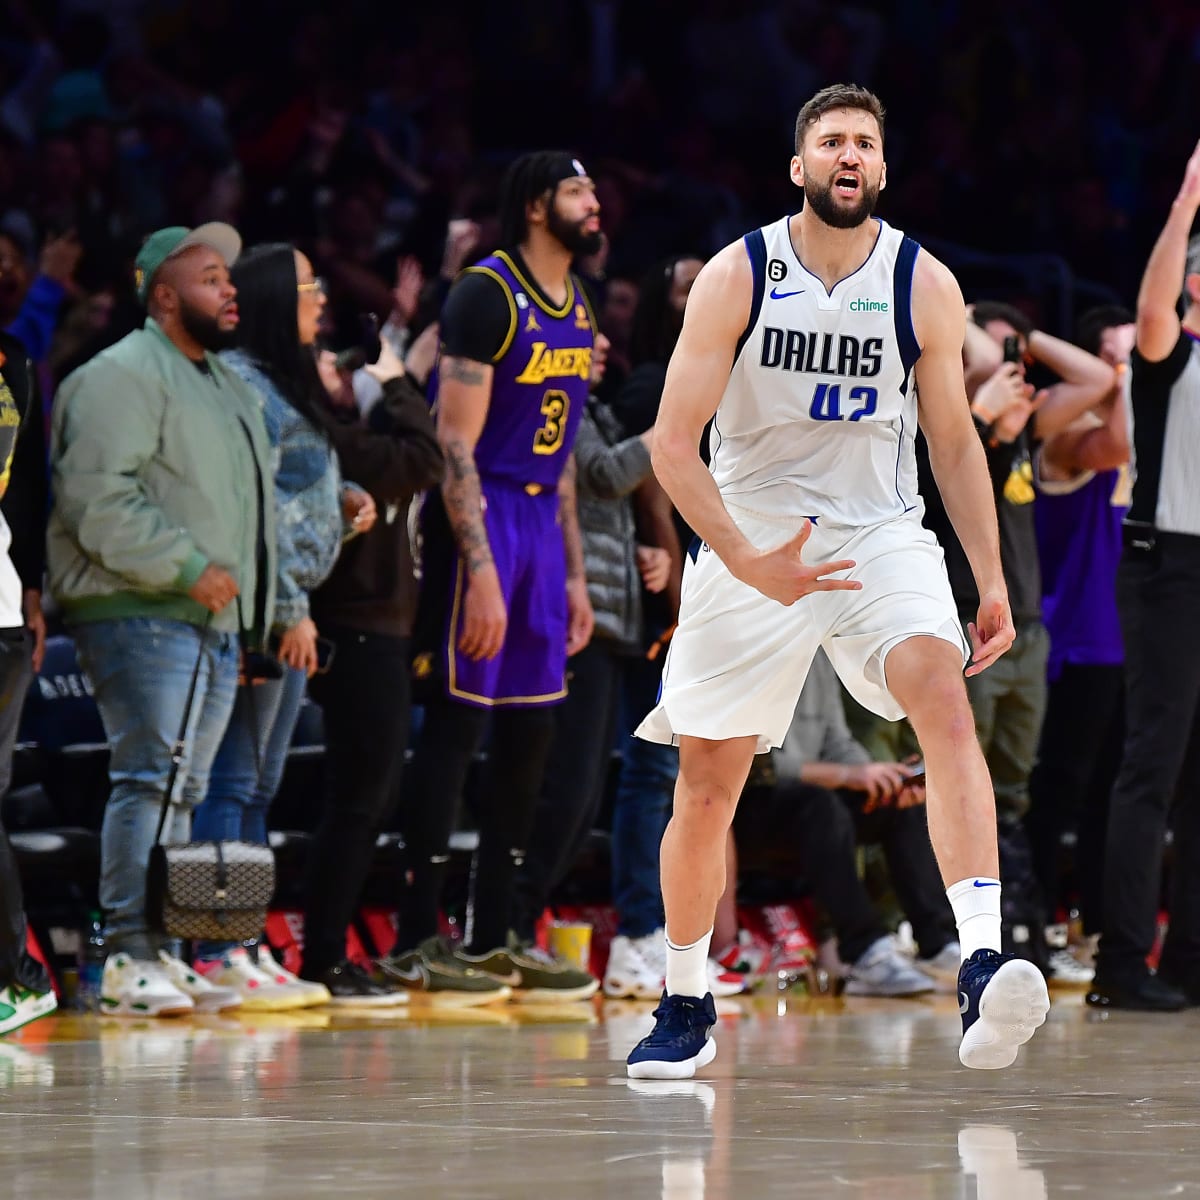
pixel 822 584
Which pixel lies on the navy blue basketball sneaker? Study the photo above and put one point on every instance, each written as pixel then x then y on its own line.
pixel 1003 1000
pixel 680 1041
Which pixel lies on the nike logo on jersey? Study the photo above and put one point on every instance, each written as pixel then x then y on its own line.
pixel 776 294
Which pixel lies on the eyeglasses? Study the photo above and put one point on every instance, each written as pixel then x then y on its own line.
pixel 317 287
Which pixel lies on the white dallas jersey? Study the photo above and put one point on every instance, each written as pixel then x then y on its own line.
pixel 819 414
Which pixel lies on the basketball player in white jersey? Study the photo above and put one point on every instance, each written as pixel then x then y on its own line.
pixel 816 345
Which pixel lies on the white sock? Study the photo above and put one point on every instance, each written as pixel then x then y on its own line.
pixel 976 905
pixel 687 967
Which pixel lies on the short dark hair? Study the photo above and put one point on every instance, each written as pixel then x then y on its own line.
pixel 838 95
pixel 996 310
pixel 1095 321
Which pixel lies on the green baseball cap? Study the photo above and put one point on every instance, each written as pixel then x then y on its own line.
pixel 166 243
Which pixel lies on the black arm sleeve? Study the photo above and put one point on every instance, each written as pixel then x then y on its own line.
pixel 476 319
pixel 1153 380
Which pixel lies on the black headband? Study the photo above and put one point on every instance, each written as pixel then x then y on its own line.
pixel 554 170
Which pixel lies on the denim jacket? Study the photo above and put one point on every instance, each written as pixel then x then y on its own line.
pixel 308 502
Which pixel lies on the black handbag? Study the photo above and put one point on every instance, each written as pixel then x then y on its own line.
pixel 214 890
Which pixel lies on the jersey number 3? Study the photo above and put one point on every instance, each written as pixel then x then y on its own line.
pixel 827 402
pixel 549 439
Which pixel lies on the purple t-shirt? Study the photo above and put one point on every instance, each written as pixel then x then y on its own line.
pixel 1079 547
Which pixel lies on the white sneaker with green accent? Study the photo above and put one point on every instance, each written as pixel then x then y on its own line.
pixel 313 993
pixel 206 996
pixel 19 1006
pixel 133 987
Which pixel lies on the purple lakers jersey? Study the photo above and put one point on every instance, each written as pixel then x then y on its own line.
pixel 539 382
pixel 1079 547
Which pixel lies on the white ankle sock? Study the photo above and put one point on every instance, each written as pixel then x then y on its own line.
pixel 687 967
pixel 976 905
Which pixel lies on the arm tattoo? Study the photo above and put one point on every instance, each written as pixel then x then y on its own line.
pixel 568 519
pixel 463 498
pixel 462 370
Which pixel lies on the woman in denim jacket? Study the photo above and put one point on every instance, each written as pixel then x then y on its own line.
pixel 314 511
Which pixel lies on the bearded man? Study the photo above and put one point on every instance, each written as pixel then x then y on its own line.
pixel 161 553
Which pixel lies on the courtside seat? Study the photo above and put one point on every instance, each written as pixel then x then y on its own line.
pixel 589 880
pixel 292 848
pixel 60 873
pixel 297 804
pixel 61 720
pixel 29 808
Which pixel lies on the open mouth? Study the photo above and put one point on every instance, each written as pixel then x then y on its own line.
pixel 846 184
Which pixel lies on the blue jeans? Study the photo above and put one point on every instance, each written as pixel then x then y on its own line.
pixel 248 768
pixel 141 669
pixel 641 810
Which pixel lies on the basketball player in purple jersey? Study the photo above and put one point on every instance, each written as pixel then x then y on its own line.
pixel 504 598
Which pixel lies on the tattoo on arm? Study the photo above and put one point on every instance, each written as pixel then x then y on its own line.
pixel 462 370
pixel 568 519
pixel 463 498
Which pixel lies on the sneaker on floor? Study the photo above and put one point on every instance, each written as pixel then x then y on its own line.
pixel 350 986
pixel 1140 992
pixel 943 967
pixel 1003 1000
pixel 313 993
pixel 535 976
pixel 629 976
pixel 258 991
pixel 19 1005
pixel 431 972
pixel 743 955
pixel 1066 971
pixel 790 960
pixel 883 969
pixel 723 982
pixel 134 987
pixel 680 1042
pixel 206 996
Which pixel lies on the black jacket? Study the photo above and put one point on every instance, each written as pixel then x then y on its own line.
pixel 394 454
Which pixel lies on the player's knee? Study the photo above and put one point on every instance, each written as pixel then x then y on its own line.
pixel 706 803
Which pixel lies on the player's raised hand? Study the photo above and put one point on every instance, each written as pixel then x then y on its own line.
pixel 992 631
pixel 782 574
pixel 1189 190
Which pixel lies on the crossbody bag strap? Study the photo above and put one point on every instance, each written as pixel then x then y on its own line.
pixel 181 741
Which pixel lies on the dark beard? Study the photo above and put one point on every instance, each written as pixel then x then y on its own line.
pixel 827 209
pixel 205 329
pixel 571 234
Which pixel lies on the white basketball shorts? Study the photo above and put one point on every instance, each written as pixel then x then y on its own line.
pixel 738 660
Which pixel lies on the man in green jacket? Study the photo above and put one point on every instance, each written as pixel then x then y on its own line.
pixel 161 549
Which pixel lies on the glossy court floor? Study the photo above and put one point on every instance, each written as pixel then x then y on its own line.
pixel 806 1098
